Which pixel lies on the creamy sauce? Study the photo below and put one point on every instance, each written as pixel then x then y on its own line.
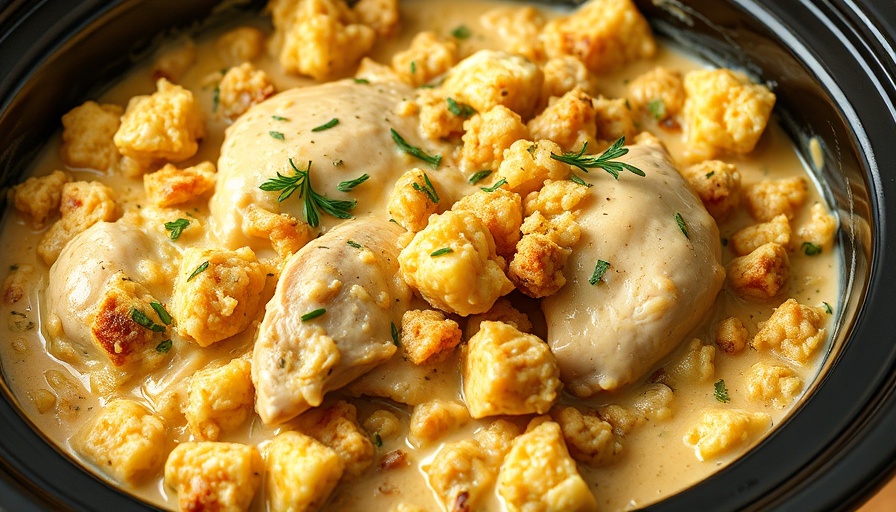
pixel 656 463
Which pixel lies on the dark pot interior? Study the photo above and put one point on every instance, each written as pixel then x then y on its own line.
pixel 832 67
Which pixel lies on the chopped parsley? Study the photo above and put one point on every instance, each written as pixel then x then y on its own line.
pixel 810 249
pixel 141 319
pixel 427 189
pixel 326 126
pixel 461 32
pixel 721 392
pixel 657 109
pixel 496 186
pixel 279 118
pixel 599 270
pixel 443 250
pixel 413 67
pixel 395 338
pixel 479 176
pixel 459 109
pixel 164 347
pixel 433 160
pixel 277 135
pixel 347 186
pixel 216 98
pixel 710 174
pixel 200 269
pixel 176 227
pixel 160 310
pixel 311 315
pixel 606 161
pixel 579 181
pixel 681 225
pixel 377 440
pixel 314 203
pixel 354 244
pixel 361 80
pixel 827 308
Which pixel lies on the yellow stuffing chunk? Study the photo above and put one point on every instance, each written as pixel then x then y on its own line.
pixel 433 420
pixel 517 29
pixel 752 237
pixel 537 267
pixel 87 133
pixel 570 121
pixel 590 439
pixel 562 75
pixel 452 263
pixel 725 112
pixel 171 186
pixel 604 34
pixel 300 473
pixel 760 275
pixel 614 119
pixel 382 16
pixel 241 88
pixel 413 199
pixel 527 165
pixel 506 371
pixel 437 121
pixel 286 233
pixel 214 476
pixel 173 60
pixel 124 440
pixel 460 475
pixel 487 135
pixel 318 38
pixel 655 402
pixel 166 125
pixel 554 199
pixel 39 198
pixel 770 198
pixel 217 293
pixel 697 364
pixel 717 183
pixel 501 212
pixel 220 399
pixel 490 78
pixel 82 204
pixel 820 229
pixel 426 59
pixel 239 45
pixel 538 474
pixel 623 419
pixel 383 423
pixel 337 428
pixel 502 311
pixel 772 383
pixel 731 335
pixel 721 430
pixel 658 92
pixel 562 229
pixel 794 332
pixel 112 324
pixel 427 336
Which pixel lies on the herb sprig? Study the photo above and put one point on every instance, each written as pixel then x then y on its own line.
pixel 347 186
pixel 606 161
pixel 314 203
pixel 176 227
pixel 721 392
pixel 427 189
pixel 433 160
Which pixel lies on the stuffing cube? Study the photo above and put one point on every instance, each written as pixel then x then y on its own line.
pixel 286 233
pixel 300 473
pixel 655 402
pixel 537 267
pixel 794 332
pixel 590 439
pixel 553 200
pixel 241 88
pixel 82 205
pixel 435 419
pixel 337 428
pixel 87 133
pixel 460 475
pixel 487 135
pixel 659 92
pixel 731 335
pixel 719 431
pixel 413 199
pixel 380 15
pixel 171 186
pixel 564 74
pixel 506 371
pixel 752 237
pixel 773 384
pixel 242 44
pixel 527 165
pixel 214 476
pixel 517 29
pixel 725 112
pixel 538 474
pixel 717 183
pixel 426 59
pixel 124 440
pixel 39 197
pixel 217 293
pixel 604 34
pixel 696 365
pixel 570 121
pixel 427 336
pixel 496 439
pixel 453 264
pixel 383 423
pixel 501 212
pixel 623 419
pixel 490 78
pixel 220 399
pixel 614 119
pixel 439 117
pixel 770 198
pixel 760 275
pixel 319 38
pixel 561 229
pixel 502 311
pixel 820 229
pixel 166 125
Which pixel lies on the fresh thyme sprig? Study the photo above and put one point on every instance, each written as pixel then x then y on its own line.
pixel 433 160
pixel 314 203
pixel 606 161
pixel 427 189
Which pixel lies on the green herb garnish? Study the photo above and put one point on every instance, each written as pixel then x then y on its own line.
pixel 164 347
pixel 681 225
pixel 279 118
pixel 314 203
pixel 579 181
pixel 810 249
pixel 827 308
pixel 710 174
pixel 141 319
pixel 311 315
pixel 479 176
pixel 347 186
pixel 657 109
pixel 599 270
pixel 395 338
pixel 377 440
pixel 361 80
pixel 176 227
pixel 433 160
pixel 427 189
pixel 496 186
pixel 721 392
pixel 443 250
pixel 200 269
pixel 160 310
pixel 459 109
pixel 216 98
pixel 326 126
pixel 354 244
pixel 413 67
pixel 606 161
pixel 461 32
pixel 277 135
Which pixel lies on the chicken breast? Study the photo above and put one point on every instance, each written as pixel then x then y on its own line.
pixel 664 272
pixel 331 318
